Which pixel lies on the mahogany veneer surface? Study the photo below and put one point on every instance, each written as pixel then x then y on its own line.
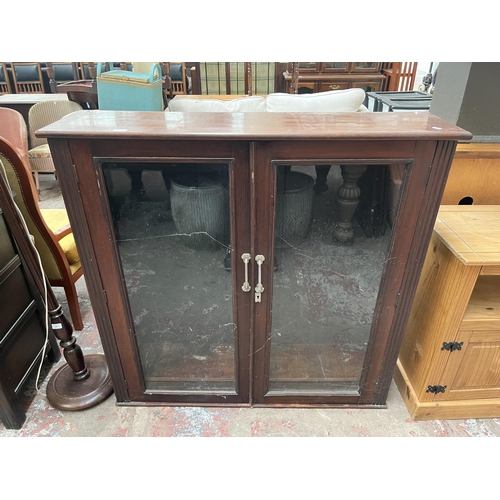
pixel 254 126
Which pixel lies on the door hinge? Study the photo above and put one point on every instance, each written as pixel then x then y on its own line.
pixel 436 389
pixel 452 346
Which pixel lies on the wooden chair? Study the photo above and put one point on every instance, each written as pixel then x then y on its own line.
pixel 50 228
pixel 178 80
pixel 81 91
pixel 400 76
pixel 61 72
pixel 42 114
pixel 5 86
pixel 27 77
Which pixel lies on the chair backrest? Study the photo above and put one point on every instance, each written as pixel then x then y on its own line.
pixel 27 77
pixel 87 70
pixel 61 72
pixel 178 78
pixel 47 112
pixel 400 76
pixel 13 128
pixel 5 87
pixel 22 184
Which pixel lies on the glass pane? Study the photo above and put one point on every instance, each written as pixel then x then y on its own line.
pixel 335 65
pixel 325 283
pixel 172 228
pixel 307 65
pixel 365 65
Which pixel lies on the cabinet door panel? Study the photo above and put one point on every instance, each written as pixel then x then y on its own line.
pixel 173 225
pixel 478 374
pixel 324 295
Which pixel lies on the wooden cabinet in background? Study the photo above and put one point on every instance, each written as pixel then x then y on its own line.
pixel 449 363
pixel 325 76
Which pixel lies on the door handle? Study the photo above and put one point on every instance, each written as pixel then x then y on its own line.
pixel 246 259
pixel 259 288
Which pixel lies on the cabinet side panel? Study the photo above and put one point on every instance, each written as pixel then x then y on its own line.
pixel 70 159
pixel 442 296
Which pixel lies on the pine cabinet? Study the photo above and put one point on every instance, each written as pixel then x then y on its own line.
pixel 449 364
pixel 223 254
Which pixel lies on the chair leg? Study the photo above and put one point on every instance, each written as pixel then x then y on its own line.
pixel 74 306
pixel 37 183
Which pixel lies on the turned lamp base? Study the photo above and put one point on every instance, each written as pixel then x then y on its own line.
pixel 66 393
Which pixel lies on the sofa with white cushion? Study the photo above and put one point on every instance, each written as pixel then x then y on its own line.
pixel 335 101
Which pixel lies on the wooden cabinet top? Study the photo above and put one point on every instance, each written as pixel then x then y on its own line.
pixel 99 124
pixel 471 233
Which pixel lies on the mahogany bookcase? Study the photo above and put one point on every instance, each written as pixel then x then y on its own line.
pixel 223 278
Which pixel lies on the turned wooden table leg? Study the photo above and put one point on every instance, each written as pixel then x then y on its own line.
pixel 348 200
pixel 320 186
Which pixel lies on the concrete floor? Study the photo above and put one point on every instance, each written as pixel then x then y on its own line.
pixel 108 419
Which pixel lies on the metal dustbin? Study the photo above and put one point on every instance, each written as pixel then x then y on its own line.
pixel 200 210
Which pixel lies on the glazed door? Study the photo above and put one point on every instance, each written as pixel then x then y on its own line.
pixel 179 228
pixel 324 241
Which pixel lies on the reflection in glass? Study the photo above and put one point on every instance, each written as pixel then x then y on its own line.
pixel 335 65
pixel 325 290
pixel 307 65
pixel 365 65
pixel 171 223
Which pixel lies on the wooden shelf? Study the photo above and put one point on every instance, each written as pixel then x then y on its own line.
pixel 483 310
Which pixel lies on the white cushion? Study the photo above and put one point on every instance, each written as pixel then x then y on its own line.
pixel 244 104
pixel 335 101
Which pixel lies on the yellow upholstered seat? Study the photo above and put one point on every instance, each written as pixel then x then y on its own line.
pixel 57 219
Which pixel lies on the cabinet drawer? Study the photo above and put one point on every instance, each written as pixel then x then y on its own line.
pixel 15 296
pixel 326 87
pixel 311 86
pixel 19 352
